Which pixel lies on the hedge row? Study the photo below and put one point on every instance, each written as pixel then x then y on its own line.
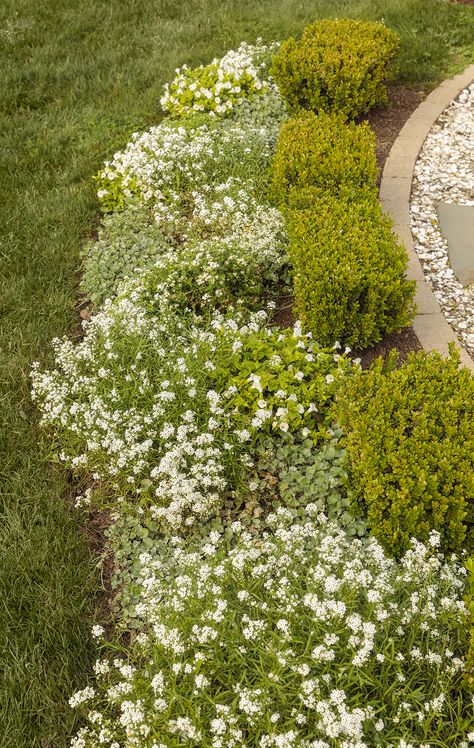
pixel 349 268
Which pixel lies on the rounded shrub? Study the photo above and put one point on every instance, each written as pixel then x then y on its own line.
pixel 324 153
pixel 410 445
pixel 339 65
pixel 469 676
pixel 348 270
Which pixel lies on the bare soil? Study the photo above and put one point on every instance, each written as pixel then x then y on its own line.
pixel 388 121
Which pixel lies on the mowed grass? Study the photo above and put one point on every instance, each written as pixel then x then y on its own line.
pixel 77 77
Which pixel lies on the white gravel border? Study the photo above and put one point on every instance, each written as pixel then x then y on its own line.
pixel 444 172
pixel 430 324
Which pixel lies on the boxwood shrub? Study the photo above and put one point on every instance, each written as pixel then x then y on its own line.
pixel 349 270
pixel 469 677
pixel 339 65
pixel 321 152
pixel 410 445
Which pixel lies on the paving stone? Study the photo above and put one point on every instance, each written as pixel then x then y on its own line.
pixel 430 325
pixel 395 189
pixel 457 225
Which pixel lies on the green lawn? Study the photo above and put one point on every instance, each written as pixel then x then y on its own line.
pixel 76 78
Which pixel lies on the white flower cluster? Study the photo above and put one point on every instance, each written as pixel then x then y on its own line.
pixel 218 87
pixel 204 274
pixel 303 638
pixel 135 402
pixel 189 174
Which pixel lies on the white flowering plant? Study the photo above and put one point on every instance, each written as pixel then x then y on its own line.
pixel 163 410
pixel 217 88
pixel 289 470
pixel 168 163
pixel 246 267
pixel 304 639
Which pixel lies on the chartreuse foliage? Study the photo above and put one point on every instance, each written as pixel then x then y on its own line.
pixel 469 678
pixel 219 87
pixel 339 65
pixel 348 270
pixel 322 153
pixel 410 445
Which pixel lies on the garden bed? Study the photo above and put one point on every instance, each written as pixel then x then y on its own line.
pixel 268 524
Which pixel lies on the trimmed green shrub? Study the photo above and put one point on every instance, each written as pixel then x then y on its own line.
pixel 339 65
pixel 324 153
pixel 128 240
pixel 348 271
pixel 469 677
pixel 410 444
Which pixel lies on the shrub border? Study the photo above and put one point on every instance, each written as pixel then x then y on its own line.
pixel 430 325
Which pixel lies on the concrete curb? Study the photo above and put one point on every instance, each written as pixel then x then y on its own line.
pixel 430 325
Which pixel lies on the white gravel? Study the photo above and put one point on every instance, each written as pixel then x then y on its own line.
pixel 444 172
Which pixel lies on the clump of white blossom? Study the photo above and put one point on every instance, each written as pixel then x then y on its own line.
pixel 244 268
pixel 164 410
pixel 217 88
pixel 303 637
pixel 247 266
pixel 181 171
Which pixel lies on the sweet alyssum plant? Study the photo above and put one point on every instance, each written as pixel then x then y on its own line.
pixel 303 639
pixel 164 410
pixel 218 88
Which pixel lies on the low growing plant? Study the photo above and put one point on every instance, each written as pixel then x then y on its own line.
pixel 410 446
pixel 321 152
pixel 245 269
pixel 340 65
pixel 129 241
pixel 305 638
pixel 170 166
pixel 219 87
pixel 165 409
pixel 290 471
pixel 293 471
pixel 349 270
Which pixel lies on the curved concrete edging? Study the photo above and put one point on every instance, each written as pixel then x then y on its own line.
pixel 430 325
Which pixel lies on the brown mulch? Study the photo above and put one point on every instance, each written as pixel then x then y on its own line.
pixel 462 2
pixel 388 122
pixel 405 342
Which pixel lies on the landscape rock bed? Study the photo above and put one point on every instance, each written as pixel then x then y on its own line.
pixel 444 173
